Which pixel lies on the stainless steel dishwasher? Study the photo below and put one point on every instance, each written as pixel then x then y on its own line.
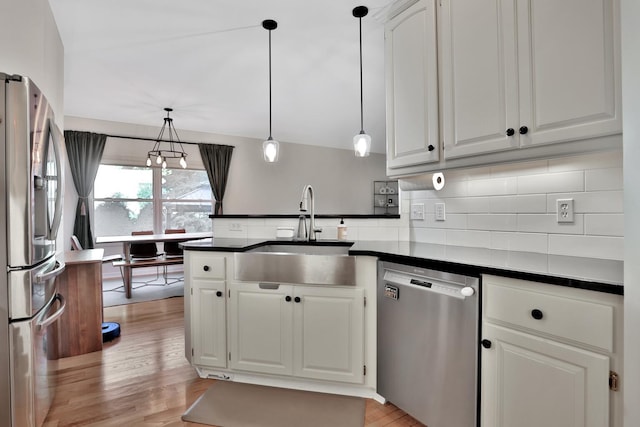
pixel 428 344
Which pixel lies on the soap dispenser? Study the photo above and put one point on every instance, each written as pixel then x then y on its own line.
pixel 342 230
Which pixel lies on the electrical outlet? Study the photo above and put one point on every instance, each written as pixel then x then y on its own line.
pixel 417 211
pixel 440 212
pixel 235 226
pixel 564 210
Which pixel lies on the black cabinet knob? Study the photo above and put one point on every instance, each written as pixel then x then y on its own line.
pixel 205 268
pixel 486 343
pixel 219 294
pixel 297 299
pixel 511 132
pixel 523 130
pixel 287 298
pixel 431 147
pixel 536 314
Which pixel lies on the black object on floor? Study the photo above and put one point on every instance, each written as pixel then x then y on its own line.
pixel 110 331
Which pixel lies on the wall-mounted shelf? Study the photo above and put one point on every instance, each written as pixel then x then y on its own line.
pixel 386 200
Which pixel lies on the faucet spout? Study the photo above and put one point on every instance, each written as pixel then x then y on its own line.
pixel 307 199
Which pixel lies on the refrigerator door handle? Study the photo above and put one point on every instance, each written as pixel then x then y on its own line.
pixel 51 274
pixel 55 316
pixel 57 138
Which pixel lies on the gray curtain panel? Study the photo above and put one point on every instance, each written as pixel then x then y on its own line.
pixel 216 160
pixel 85 152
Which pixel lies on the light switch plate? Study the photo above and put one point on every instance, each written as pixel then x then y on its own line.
pixel 440 212
pixel 417 211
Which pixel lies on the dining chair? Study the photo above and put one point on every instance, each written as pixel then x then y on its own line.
pixel 172 249
pixel 149 250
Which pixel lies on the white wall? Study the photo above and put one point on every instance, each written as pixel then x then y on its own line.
pixel 630 11
pixel 30 45
pixel 513 207
pixel 343 184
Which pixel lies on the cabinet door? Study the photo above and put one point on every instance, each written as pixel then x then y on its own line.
pixel 530 382
pixel 479 76
pixel 209 333
pixel 260 321
pixel 569 69
pixel 412 87
pixel 329 333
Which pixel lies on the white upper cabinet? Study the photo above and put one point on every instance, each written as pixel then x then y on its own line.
pixel 524 73
pixel 412 87
pixel 499 81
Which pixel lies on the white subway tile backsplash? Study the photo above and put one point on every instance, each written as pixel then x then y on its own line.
pixel 428 235
pixel 540 223
pixel 590 202
pixel 551 182
pixel 587 246
pixel 524 242
pixel 603 179
pixel 491 222
pixel 466 238
pixel 530 203
pixel 520 168
pixel 605 159
pixel 592 268
pixel 494 186
pixel 604 225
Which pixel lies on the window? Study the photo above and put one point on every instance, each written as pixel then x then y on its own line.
pixel 133 198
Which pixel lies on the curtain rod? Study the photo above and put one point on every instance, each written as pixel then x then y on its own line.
pixel 142 138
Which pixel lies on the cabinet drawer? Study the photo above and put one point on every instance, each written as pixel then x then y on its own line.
pixel 207 266
pixel 563 316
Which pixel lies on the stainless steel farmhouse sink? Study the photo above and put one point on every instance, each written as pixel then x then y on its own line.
pixel 306 249
pixel 297 264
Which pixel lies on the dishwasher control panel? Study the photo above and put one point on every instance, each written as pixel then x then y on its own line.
pixel 391 291
pixel 394 280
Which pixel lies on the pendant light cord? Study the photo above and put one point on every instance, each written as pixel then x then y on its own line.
pixel 270 84
pixel 361 97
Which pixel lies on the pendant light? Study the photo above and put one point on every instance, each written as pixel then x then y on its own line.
pixel 362 141
pixel 173 152
pixel 270 147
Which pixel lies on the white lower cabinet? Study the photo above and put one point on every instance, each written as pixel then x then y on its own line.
pixel 209 330
pixel 529 381
pixel 548 354
pixel 305 331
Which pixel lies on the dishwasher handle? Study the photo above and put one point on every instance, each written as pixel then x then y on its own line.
pixel 421 283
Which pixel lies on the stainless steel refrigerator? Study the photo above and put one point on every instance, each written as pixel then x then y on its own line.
pixel 30 212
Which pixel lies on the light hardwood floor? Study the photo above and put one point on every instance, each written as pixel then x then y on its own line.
pixel 143 378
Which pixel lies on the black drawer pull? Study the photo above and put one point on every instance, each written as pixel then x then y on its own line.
pixel 287 298
pixel 297 299
pixel 219 294
pixel 510 132
pixel 205 268
pixel 523 130
pixel 486 343
pixel 536 314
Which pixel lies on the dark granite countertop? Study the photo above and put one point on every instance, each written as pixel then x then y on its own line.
pixel 586 273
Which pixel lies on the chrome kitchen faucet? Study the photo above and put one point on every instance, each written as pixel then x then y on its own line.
pixel 303 208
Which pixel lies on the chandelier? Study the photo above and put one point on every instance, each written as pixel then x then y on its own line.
pixel 175 149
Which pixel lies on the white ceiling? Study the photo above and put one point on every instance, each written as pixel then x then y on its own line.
pixel 125 60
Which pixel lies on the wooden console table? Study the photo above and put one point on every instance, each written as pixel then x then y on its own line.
pixel 79 329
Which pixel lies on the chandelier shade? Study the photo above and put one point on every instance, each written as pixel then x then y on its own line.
pixel 173 150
